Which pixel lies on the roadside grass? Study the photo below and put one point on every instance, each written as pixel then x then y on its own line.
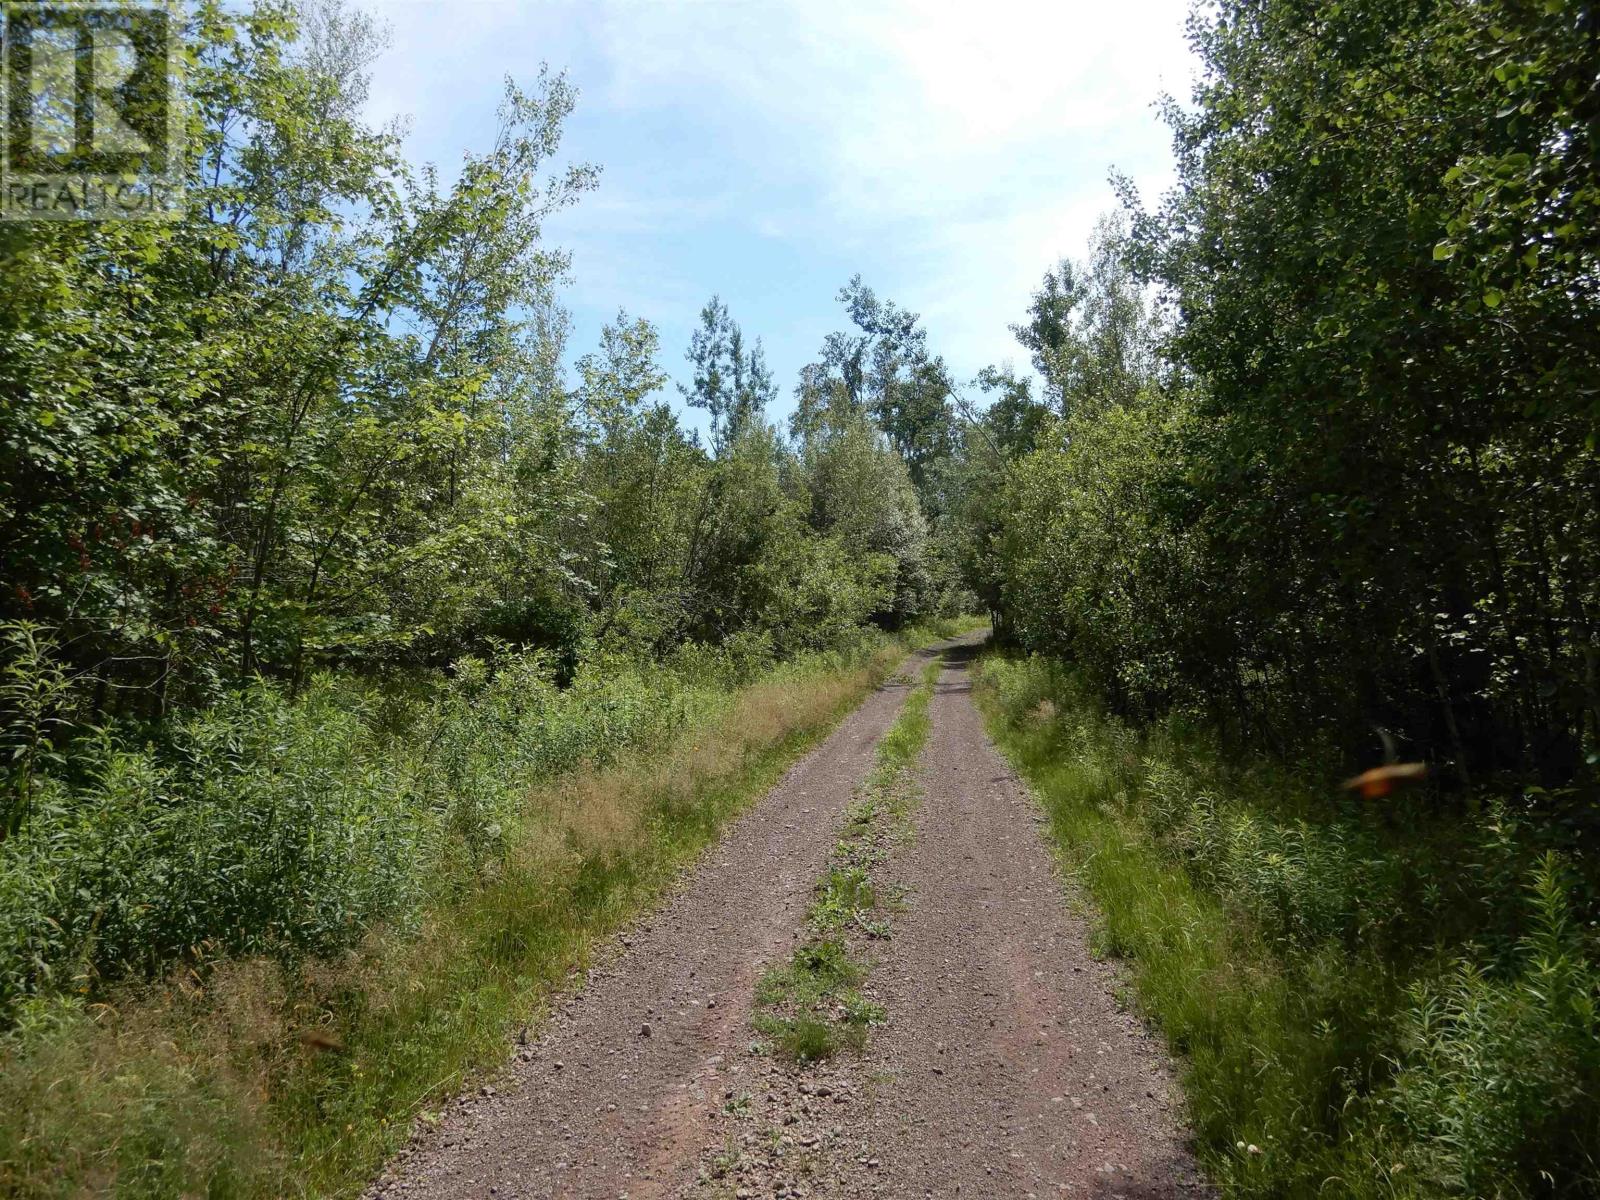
pixel 1342 1028
pixel 264 1078
pixel 812 1007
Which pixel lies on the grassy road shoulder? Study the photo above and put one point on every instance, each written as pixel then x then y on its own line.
pixel 265 1077
pixel 1364 1004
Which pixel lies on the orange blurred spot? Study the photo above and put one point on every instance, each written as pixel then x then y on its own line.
pixel 1381 781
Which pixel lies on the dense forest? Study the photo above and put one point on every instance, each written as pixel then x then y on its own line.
pixel 324 552
pixel 311 448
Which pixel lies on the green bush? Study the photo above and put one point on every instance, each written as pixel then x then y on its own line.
pixel 1358 994
pixel 1499 1080
pixel 288 825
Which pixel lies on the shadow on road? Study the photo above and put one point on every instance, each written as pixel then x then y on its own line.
pixel 958 658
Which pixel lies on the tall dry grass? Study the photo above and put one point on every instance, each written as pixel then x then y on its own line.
pixel 265 1077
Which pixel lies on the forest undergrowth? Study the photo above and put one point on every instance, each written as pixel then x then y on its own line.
pixel 272 1065
pixel 1369 999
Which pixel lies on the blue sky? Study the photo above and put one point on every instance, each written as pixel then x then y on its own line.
pixel 949 153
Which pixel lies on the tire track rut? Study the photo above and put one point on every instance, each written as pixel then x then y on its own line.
pixel 616 1096
pixel 1005 1068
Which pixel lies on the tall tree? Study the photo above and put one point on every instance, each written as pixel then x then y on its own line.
pixel 1090 327
pixel 881 369
pixel 271 432
pixel 645 478
pixel 1365 493
pixel 733 384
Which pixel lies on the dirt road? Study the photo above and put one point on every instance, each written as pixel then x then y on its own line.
pixel 1004 1069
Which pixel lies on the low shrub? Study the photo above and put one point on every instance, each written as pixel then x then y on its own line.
pixel 288 825
pixel 387 982
pixel 1358 995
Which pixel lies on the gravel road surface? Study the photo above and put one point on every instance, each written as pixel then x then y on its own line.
pixel 1005 1067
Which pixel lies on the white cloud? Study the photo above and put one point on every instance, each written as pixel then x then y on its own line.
pixel 957 148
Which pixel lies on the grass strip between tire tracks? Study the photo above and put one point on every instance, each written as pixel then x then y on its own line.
pixel 812 1006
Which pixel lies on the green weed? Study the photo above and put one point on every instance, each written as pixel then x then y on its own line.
pixel 811 1007
pixel 299 1073
pixel 1294 952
